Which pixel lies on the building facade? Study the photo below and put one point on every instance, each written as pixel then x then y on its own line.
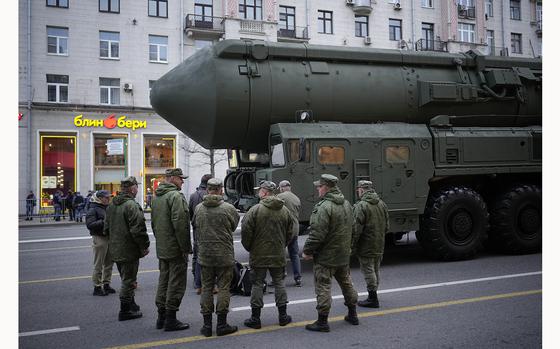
pixel 86 68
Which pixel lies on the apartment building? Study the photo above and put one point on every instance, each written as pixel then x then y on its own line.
pixel 86 67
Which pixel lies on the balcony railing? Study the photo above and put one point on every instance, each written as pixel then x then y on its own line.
pixel 297 33
pixel 431 45
pixel 204 23
pixel 251 26
pixel 466 11
pixel 539 28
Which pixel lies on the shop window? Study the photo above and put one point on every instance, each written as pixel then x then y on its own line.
pixel 397 154
pixel 58 166
pixel 329 155
pixel 159 155
pixel 110 161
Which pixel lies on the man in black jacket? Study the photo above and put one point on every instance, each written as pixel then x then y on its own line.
pixel 102 261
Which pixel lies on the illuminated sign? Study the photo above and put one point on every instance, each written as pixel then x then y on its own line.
pixel 110 122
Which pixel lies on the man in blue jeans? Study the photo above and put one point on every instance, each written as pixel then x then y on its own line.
pixel 292 202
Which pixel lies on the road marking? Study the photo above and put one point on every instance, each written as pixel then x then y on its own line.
pixel 60 239
pixel 410 288
pixel 80 277
pixel 55 249
pixel 335 319
pixel 54 330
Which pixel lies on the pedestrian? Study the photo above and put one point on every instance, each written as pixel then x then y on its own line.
pixel 68 205
pixel 215 221
pixel 149 198
pixel 265 232
pixel 329 244
pixel 293 204
pixel 372 223
pixel 57 203
pixel 102 261
pixel 128 242
pixel 171 227
pixel 78 206
pixel 195 199
pixel 30 203
pixel 87 199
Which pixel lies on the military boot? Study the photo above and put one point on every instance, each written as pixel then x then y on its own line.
pixel 255 320
pixel 171 322
pixel 206 330
pixel 108 289
pixel 371 301
pixel 134 306
pixel 223 328
pixel 352 316
pixel 161 318
pixel 321 325
pixel 98 291
pixel 127 312
pixel 283 317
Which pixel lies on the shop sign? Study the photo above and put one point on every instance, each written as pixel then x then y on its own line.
pixel 115 146
pixel 48 182
pixel 110 122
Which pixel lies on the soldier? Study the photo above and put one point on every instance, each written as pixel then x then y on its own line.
pixel 171 227
pixel 215 222
pixel 128 242
pixel 195 199
pixel 329 245
pixel 372 223
pixel 265 232
pixel 293 204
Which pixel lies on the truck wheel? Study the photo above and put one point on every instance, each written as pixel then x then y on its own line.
pixel 454 224
pixel 516 220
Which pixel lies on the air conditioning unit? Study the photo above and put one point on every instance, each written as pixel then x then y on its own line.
pixel 127 87
pixel 367 40
pixel 397 5
pixel 350 2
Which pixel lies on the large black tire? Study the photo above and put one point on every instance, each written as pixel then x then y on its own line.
pixel 454 224
pixel 516 220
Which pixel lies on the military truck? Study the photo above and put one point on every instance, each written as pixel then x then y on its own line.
pixel 452 142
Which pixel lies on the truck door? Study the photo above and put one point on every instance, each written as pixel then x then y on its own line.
pixel 333 157
pixel 398 173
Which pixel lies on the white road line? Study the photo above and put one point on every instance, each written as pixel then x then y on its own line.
pixel 410 288
pixel 60 239
pixel 54 330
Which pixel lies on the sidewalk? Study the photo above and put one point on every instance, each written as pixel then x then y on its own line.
pixel 49 222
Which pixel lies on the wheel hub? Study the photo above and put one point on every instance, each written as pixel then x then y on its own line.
pixel 460 226
pixel 529 221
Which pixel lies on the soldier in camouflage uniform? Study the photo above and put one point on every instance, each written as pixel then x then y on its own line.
pixel 215 222
pixel 329 245
pixel 171 227
pixel 128 242
pixel 372 223
pixel 265 232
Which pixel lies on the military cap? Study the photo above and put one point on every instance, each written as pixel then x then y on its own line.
pixel 365 184
pixel 268 185
pixel 326 179
pixel 128 182
pixel 215 183
pixel 102 194
pixel 177 172
pixel 284 183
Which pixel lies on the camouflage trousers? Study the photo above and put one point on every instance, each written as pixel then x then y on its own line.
pixel 221 276
pixel 257 281
pixel 128 272
pixel 323 278
pixel 172 283
pixel 370 269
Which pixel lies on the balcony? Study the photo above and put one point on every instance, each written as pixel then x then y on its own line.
pixel 204 26
pixel 251 26
pixel 466 11
pixel 360 7
pixel 431 45
pixel 295 34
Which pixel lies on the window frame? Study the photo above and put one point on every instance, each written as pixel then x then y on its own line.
pixel 110 91
pixel 515 11
pixel 255 6
pixel 157 2
pixel 461 31
pixel 58 87
pixel 57 3
pixel 489 8
pixel 393 29
pixel 203 8
pixel 359 26
pixel 427 3
pixel 520 41
pixel 110 7
pixel 324 20
pixel 287 15
pixel 158 49
pixel 58 40
pixel 109 45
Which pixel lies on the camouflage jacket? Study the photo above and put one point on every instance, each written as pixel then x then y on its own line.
pixel 126 228
pixel 170 222
pixel 332 224
pixel 293 204
pixel 372 223
pixel 265 232
pixel 215 221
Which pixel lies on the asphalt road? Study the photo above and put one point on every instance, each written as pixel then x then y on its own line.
pixel 493 301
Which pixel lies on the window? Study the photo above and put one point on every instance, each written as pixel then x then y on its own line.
pixel 250 9
pixel 489 8
pixel 428 36
pixel 490 41
pixel 298 150
pixel 203 11
pixel 277 155
pixel 110 6
pixel 466 32
pixel 57 3
pixel 287 18
pixel 397 154
pixel 159 154
pixel 329 155
pixel 157 8
pixel 109 91
pixel 57 41
pixel 325 22
pixel 151 84
pixel 57 88
pixel 395 29
pixel 58 166
pixel 158 48
pixel 515 9
pixel 109 44
pixel 362 26
pixel 466 3
pixel 516 43
pixel 428 3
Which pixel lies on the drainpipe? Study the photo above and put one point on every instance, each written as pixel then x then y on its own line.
pixel 307 17
pixel 29 97
pixel 503 29
pixel 181 31
pixel 413 23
